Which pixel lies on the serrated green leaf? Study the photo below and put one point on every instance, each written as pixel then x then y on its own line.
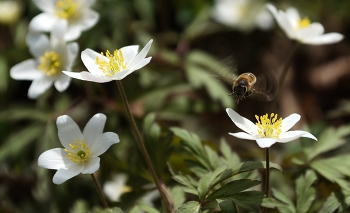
pixel 272 203
pixel 305 193
pixel 147 209
pixel 189 207
pixel 206 60
pixel 228 206
pixel 289 208
pixel 178 196
pixel 209 205
pixel 116 210
pixel 231 158
pixel 249 200
pixel 231 188
pixel 213 157
pixel 207 181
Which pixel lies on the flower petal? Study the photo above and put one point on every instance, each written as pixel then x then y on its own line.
pixel 43 22
pixel 282 20
pixel 328 38
pixel 292 135
pixel 88 56
pixel 122 74
pixel 138 58
pixel 57 34
pixel 89 19
pixel 129 52
pixel 72 52
pixel 65 174
pixel 293 16
pixel 91 165
pixel 243 135
pixel 289 122
pixel 26 70
pixel 242 123
pixel 45 5
pixel 53 159
pixel 86 76
pixel 142 63
pixel 68 131
pixel 315 29
pixel 103 143
pixel 38 44
pixel 266 142
pixel 94 129
pixel 39 86
pixel 62 83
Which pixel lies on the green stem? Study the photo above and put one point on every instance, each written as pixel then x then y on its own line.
pixel 143 148
pixel 267 174
pixel 98 188
pixel 288 62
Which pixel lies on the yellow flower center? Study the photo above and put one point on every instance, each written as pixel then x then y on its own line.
pixel 50 63
pixel 66 9
pixel 78 152
pixel 114 64
pixel 303 23
pixel 269 127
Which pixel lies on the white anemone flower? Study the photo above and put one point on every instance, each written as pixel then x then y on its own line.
pixel 108 67
pixel 51 56
pixel 77 13
pixel 243 15
pixel 81 150
pixel 302 30
pixel 268 130
pixel 117 187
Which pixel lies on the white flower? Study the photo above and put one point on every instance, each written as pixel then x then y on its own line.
pixel 243 15
pixel 76 13
pixel 267 131
pixel 81 150
pixel 10 11
pixel 50 58
pixel 108 67
pixel 115 188
pixel 301 29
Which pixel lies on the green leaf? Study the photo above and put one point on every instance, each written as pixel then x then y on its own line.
pixel 249 200
pixel 4 73
pixel 228 206
pixel 272 203
pixel 339 199
pixel 232 159
pixel 305 193
pixel 148 209
pixel 330 139
pixel 189 207
pixel 178 196
pixel 289 208
pixel 19 113
pixel 79 206
pixel 206 60
pixel 207 181
pixel 115 210
pixel 231 188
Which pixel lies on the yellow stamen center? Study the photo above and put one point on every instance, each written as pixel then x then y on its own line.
pixel 78 152
pixel 303 23
pixel 114 64
pixel 269 127
pixel 66 9
pixel 50 63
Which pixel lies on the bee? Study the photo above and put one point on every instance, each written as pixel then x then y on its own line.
pixel 243 86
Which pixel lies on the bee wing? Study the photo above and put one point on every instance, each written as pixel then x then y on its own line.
pixel 228 73
pixel 266 86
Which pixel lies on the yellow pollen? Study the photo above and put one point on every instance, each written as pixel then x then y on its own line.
pixel 269 127
pixel 50 63
pixel 114 64
pixel 66 9
pixel 303 23
pixel 79 152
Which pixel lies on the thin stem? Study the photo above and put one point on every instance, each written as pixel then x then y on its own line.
pixel 288 62
pixel 267 173
pixel 98 188
pixel 143 148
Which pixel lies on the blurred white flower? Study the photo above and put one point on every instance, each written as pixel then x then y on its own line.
pixel 50 58
pixel 115 188
pixel 302 30
pixel 108 67
pixel 9 11
pixel 267 131
pixel 77 13
pixel 243 15
pixel 81 150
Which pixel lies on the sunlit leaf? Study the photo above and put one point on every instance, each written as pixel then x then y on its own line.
pixel 178 196
pixel 305 192
pixel 289 208
pixel 339 199
pixel 207 181
pixel 189 207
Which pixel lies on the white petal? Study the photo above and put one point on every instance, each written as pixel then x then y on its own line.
pixel 122 74
pixel 289 122
pixel 89 19
pixel 328 38
pixel 58 31
pixel 39 86
pixel 103 143
pixel 286 25
pixel 63 175
pixel 26 70
pixel 62 83
pixel 43 22
pixel 293 16
pixel 292 135
pixel 266 142
pixel 138 58
pixel 315 29
pixel 129 52
pixel 91 165
pixel 114 189
pixel 38 44
pixel 53 159
pixel 68 131
pixel 73 32
pixel 94 129
pixel 86 76
pixel 45 5
pixel 72 52
pixel 141 64
pixel 88 56
pixel 243 135
pixel 242 123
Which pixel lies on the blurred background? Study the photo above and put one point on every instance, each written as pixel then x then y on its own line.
pixel 195 43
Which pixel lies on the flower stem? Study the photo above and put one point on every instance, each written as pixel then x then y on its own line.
pixel 98 188
pixel 288 62
pixel 267 174
pixel 143 148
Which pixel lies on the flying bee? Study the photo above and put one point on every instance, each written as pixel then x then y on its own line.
pixel 243 86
